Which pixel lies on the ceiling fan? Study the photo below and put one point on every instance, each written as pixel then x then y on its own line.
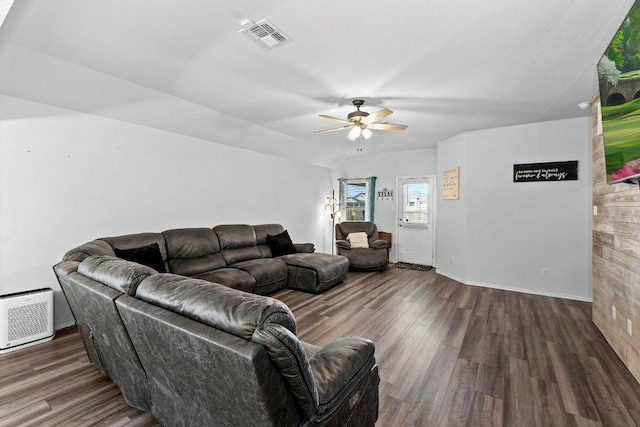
pixel 361 122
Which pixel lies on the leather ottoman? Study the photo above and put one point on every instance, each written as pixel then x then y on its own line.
pixel 315 272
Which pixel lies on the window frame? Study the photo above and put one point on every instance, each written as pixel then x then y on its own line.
pixel 366 198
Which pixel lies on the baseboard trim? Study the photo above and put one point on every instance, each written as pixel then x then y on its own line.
pixel 512 289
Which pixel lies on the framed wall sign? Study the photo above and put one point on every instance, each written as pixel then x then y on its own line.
pixel 539 172
pixel 451 183
pixel 385 194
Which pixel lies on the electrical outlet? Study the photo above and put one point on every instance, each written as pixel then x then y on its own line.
pixel 629 327
pixel 595 210
pixel 613 311
pixel 543 271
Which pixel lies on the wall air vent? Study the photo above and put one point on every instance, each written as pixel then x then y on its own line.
pixel 264 33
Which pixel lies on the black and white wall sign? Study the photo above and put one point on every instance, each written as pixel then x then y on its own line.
pixel 385 194
pixel 553 171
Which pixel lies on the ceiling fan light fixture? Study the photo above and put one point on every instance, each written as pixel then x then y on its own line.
pixel 362 124
pixel 354 133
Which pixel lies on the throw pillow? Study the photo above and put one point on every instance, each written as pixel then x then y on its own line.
pixel 281 244
pixel 145 255
pixel 358 240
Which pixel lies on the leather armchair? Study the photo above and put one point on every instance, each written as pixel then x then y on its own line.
pixel 373 258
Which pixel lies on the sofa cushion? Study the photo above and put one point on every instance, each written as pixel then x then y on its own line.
pixel 265 270
pixel 261 237
pixel 232 256
pixel 263 230
pixel 374 259
pixel 235 236
pixel 237 242
pixel 358 240
pixel 119 274
pixel 130 241
pixel 315 272
pixel 230 310
pixel 231 277
pixel 344 228
pixel 192 251
pixel 145 255
pixel 305 248
pixel 281 244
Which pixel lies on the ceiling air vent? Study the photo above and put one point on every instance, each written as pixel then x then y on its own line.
pixel 264 33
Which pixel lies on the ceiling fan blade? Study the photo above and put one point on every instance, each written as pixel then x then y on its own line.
pixel 350 125
pixel 386 126
pixel 378 115
pixel 335 119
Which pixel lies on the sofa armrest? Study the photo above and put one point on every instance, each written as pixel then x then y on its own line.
pixel 338 369
pixel 117 273
pixel 379 244
pixel 93 248
pixel 305 248
pixel 289 356
pixel 343 244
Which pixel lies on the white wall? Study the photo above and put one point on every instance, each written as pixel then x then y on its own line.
pixel 451 220
pixel 387 167
pixel 67 178
pixel 513 230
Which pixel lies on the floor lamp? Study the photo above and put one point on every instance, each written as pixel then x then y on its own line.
pixel 333 207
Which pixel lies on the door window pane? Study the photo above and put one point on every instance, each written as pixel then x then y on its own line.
pixel 416 206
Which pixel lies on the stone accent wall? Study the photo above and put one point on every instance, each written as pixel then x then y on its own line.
pixel 616 255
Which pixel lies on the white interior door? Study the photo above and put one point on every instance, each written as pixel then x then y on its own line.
pixel 414 240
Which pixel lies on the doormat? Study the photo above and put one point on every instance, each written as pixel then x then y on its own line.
pixel 409 266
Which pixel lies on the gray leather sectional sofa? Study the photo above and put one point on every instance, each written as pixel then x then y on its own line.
pixel 236 256
pixel 195 352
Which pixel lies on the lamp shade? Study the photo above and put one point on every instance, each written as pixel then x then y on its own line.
pixel 355 133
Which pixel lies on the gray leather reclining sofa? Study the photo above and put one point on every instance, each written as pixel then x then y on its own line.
pixel 233 255
pixel 199 353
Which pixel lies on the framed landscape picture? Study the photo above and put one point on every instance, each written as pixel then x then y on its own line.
pixel 619 84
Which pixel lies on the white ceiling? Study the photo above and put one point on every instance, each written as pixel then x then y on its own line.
pixel 443 67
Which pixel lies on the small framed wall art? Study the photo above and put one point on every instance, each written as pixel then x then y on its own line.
pixel 451 183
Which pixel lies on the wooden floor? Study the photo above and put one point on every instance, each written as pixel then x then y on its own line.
pixel 449 354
